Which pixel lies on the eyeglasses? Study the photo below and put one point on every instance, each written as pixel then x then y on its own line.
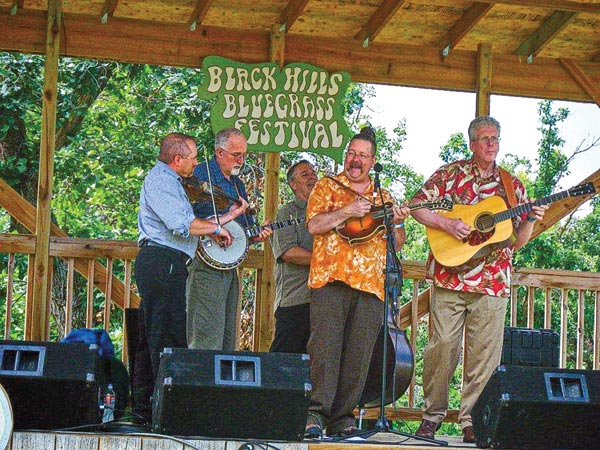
pixel 362 156
pixel 236 156
pixel 489 140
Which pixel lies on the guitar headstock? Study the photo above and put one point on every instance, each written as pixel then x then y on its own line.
pixel 582 189
pixel 443 203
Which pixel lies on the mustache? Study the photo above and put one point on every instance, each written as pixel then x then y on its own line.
pixel 355 165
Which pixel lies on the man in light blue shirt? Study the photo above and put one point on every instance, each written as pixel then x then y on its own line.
pixel 168 239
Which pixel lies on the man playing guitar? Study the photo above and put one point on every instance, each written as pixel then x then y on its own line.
pixel 471 297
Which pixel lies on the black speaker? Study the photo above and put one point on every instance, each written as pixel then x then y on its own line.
pixel 538 408
pixel 232 394
pixel 50 385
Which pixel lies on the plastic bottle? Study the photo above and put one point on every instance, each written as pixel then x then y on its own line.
pixel 110 398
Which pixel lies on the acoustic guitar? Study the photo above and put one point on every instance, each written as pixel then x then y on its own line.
pixel 361 229
pixel 490 223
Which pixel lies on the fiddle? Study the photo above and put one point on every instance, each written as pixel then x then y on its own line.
pixel 201 191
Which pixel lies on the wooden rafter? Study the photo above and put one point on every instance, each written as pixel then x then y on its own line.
pixel 581 78
pixel 290 14
pixel 378 20
pixel 563 208
pixel 108 9
pixel 550 28
pixel 484 79
pixel 467 21
pixel 16 5
pixel 199 13
pixel 173 44
pixel 557 5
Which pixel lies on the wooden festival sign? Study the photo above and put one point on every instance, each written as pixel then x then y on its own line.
pixel 298 108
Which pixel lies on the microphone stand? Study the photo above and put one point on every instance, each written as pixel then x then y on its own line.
pixel 392 285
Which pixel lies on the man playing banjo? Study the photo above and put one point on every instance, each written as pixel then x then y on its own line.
pixel 213 288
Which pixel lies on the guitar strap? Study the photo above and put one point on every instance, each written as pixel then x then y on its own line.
pixel 509 188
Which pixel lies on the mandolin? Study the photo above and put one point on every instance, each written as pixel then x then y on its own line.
pixel 361 229
pixel 490 224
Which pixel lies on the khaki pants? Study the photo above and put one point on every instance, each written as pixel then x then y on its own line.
pixel 482 319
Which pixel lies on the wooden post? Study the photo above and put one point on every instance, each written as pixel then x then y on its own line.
pixel 264 322
pixel 42 273
pixel 484 79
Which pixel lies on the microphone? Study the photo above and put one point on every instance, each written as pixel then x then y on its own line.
pixel 377 168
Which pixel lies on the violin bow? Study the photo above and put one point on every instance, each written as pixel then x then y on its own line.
pixel 212 194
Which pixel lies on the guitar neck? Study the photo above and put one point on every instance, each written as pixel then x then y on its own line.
pixel 526 207
pixel 255 231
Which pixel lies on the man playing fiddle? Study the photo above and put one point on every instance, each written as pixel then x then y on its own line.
pixel 168 239
pixel 212 294
pixel 347 283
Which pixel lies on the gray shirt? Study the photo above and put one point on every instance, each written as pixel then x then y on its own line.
pixel 291 280
pixel 165 212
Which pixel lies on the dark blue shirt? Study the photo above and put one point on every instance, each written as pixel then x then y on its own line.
pixel 205 209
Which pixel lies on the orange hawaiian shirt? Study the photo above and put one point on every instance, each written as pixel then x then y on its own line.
pixel 361 266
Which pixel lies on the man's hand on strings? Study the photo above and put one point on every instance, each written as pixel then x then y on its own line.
pixel 264 234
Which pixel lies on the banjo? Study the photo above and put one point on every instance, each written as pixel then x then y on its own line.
pixel 230 257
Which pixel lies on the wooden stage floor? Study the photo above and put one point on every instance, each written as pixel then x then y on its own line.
pixel 22 440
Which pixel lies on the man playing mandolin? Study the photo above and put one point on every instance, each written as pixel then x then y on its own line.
pixel 347 284
pixel 469 297
pixel 212 294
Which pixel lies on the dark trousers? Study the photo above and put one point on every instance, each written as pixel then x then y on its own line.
pixel 160 275
pixel 344 324
pixel 292 329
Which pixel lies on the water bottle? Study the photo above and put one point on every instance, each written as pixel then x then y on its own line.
pixel 110 399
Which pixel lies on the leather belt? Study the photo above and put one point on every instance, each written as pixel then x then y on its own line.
pixel 148 243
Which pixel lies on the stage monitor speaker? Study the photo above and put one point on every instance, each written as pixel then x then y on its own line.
pixel 539 408
pixel 50 385
pixel 232 394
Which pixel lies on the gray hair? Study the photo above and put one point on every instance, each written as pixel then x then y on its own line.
pixel 482 121
pixel 223 136
pixel 291 171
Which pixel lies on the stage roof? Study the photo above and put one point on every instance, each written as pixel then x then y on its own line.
pixel 544 49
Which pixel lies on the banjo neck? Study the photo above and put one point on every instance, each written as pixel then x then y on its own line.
pixel 255 230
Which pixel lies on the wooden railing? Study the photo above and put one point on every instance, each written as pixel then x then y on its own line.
pixel 540 299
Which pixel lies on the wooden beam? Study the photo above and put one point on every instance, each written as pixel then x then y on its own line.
pixel 16 5
pixel 581 78
pixel 557 5
pixel 42 276
pixel 467 21
pixel 290 14
pixel 544 34
pixel 563 208
pixel 23 211
pixel 484 80
pixel 378 20
pixel 265 325
pixel 199 13
pixel 108 9
pixel 171 44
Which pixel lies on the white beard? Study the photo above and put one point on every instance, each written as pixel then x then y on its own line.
pixel 235 171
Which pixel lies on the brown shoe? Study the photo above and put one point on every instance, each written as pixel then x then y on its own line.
pixel 427 429
pixel 468 435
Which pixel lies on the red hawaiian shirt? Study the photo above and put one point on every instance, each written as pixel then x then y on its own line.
pixel 462 183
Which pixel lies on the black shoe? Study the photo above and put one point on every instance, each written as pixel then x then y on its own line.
pixel 348 432
pixel 313 431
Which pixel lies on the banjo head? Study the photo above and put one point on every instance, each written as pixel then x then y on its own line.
pixel 222 258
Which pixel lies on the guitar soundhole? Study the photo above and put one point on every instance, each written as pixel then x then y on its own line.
pixel 484 223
